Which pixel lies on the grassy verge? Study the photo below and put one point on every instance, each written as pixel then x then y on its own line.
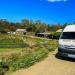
pixel 36 51
pixel 28 60
pixel 10 49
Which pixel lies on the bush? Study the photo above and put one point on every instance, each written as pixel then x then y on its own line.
pixel 3 68
pixel 54 35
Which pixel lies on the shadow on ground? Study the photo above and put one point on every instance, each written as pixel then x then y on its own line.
pixel 64 58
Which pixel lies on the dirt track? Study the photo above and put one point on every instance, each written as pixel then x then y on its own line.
pixel 50 66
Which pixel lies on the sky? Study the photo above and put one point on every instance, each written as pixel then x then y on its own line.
pixel 48 11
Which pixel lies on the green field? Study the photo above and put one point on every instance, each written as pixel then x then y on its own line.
pixel 9 49
pixel 8 41
pixel 33 50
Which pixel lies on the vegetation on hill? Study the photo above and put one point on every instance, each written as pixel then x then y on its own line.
pixel 29 25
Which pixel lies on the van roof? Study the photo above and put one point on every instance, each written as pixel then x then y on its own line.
pixel 69 28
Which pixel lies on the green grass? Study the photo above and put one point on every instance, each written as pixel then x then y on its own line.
pixel 36 50
pixel 9 41
pixel 9 49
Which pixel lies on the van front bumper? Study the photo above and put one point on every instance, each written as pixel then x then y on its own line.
pixel 66 52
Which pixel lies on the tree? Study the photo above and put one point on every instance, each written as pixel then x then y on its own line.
pixel 26 23
pixel 4 24
pixel 40 27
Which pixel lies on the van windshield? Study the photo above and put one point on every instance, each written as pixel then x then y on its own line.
pixel 68 35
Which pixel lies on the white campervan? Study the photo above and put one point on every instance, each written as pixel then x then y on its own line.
pixel 67 42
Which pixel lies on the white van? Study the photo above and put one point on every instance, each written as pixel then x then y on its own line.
pixel 67 42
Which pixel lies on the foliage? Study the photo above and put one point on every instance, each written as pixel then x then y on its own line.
pixel 26 61
pixel 37 50
pixel 3 67
pixel 29 25
pixel 55 35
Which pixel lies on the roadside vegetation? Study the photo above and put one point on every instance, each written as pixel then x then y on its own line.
pixel 33 51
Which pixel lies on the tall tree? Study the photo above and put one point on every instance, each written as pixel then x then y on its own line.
pixel 26 23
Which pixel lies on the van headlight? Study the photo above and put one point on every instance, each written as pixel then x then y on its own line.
pixel 61 46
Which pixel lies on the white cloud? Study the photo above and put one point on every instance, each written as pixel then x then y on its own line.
pixel 56 0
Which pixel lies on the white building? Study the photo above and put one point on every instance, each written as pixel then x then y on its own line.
pixel 21 31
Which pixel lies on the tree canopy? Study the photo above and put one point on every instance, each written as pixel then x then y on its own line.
pixel 29 25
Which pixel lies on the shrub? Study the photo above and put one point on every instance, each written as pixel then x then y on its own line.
pixel 54 35
pixel 3 68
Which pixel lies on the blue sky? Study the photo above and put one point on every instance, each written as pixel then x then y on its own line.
pixel 49 11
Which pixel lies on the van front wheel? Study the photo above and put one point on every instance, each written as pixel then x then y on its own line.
pixel 58 55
